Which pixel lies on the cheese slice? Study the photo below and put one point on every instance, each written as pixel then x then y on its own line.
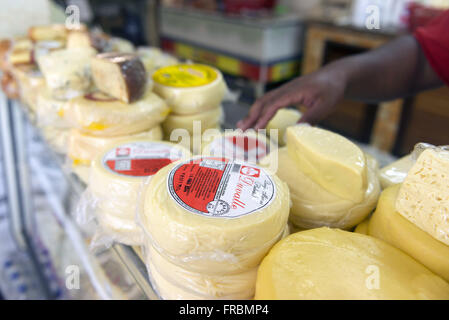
pixel 333 264
pixel 424 196
pixel 214 216
pixel 283 119
pixel 395 172
pixel 117 176
pixel 195 123
pixel 67 72
pixel 312 205
pixel 83 148
pixel 329 159
pixel 190 88
pixel 388 225
pixel 101 115
pixel 120 75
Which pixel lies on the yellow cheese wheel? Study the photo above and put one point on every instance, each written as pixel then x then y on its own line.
pixel 312 205
pixel 388 225
pixel 283 119
pixel 214 216
pixel 118 175
pixel 83 148
pixel 101 115
pixel 395 172
pixel 334 162
pixel 190 88
pixel 334 264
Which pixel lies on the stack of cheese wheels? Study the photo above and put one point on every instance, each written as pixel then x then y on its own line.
pixel 208 223
pixel 194 94
pixel 237 145
pixel 116 177
pixel 413 216
pixel 123 107
pixel 331 264
pixel 332 182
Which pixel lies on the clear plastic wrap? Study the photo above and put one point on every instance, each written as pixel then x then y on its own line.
pixel 313 206
pixel 100 115
pixel 190 88
pixel 228 238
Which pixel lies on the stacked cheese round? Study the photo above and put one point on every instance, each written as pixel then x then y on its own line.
pixel 116 177
pixel 338 265
pixel 194 94
pixel 214 217
pixel 315 201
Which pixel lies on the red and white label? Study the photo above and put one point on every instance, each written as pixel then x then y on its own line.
pixel 219 187
pixel 140 159
pixel 239 147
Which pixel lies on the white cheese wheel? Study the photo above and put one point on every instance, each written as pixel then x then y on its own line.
pixel 424 195
pixel 118 174
pixel 339 265
pixel 312 205
pixel 283 119
pixel 334 162
pixel 67 72
pixel 190 88
pixel 50 111
pixel 388 225
pixel 214 216
pixel 237 145
pixel 395 172
pixel 101 115
pixel 195 123
pixel 83 148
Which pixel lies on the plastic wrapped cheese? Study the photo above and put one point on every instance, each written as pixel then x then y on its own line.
pixel 190 88
pixel 312 205
pixel 424 195
pixel 100 115
pixel 116 177
pixel 283 119
pixel 248 146
pixel 195 123
pixel 334 264
pixel 331 160
pixel 67 72
pixel 57 138
pixel 213 215
pixel 83 148
pixel 31 83
pixel 50 111
pixel 395 172
pixel 388 225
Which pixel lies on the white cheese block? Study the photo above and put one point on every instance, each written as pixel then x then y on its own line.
pixel 331 264
pixel 190 88
pixel 424 196
pixel 331 160
pixel 214 216
pixel 312 205
pixel 283 119
pixel 395 172
pixel 83 148
pixel 388 225
pixel 120 75
pixel 117 176
pixel 67 72
pixel 101 115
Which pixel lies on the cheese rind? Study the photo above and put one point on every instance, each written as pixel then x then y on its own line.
pixel 334 162
pixel 120 75
pixel 338 265
pixel 283 119
pixel 395 172
pixel 390 226
pixel 424 195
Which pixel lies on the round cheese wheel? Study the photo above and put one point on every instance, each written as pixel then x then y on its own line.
pixel 190 88
pixel 83 148
pixel 50 111
pixel 118 174
pixel 312 205
pixel 283 119
pixel 390 226
pixel 247 146
pixel 101 115
pixel 334 264
pixel 214 215
pixel 57 138
pixel 195 123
